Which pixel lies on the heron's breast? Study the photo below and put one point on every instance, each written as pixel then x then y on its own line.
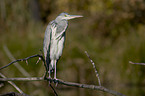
pixel 56 48
pixel 53 49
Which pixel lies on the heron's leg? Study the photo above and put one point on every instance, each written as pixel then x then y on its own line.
pixel 55 73
pixel 49 73
pixel 55 70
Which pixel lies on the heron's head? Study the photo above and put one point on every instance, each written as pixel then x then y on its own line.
pixel 66 16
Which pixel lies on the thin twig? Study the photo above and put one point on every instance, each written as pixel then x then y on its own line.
pixel 136 63
pixel 38 60
pixel 25 59
pixel 13 94
pixel 13 84
pixel 53 89
pixel 17 65
pixel 93 87
pixel 18 60
pixel 97 74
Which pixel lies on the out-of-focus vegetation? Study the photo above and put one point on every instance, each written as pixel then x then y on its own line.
pixel 112 31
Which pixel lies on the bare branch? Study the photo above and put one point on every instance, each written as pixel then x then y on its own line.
pixel 97 74
pixel 25 59
pixel 136 63
pixel 53 89
pixel 93 87
pixel 58 81
pixel 13 84
pixel 14 94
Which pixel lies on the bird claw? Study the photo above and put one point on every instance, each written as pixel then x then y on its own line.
pixel 56 81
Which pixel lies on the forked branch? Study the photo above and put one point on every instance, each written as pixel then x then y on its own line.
pixel 97 74
pixel 136 63
pixel 94 87
pixel 13 84
pixel 25 59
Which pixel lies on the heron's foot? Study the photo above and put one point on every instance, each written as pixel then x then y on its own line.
pixel 55 81
pixel 49 77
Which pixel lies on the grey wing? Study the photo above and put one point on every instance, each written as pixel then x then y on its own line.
pixel 46 43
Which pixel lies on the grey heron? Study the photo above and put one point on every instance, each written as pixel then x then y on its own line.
pixel 54 40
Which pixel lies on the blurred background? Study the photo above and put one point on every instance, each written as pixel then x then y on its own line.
pixel 112 31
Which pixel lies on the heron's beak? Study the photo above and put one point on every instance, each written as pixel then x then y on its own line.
pixel 72 17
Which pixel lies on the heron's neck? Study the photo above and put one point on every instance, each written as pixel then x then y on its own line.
pixel 57 21
pixel 62 23
pixel 61 26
